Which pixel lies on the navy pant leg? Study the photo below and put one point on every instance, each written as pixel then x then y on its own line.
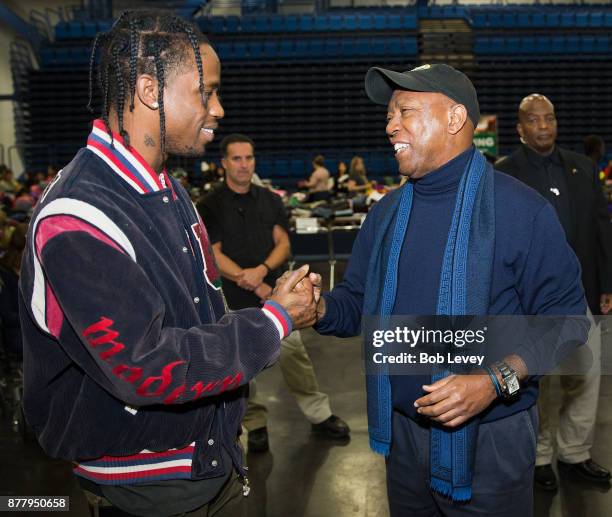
pixel 503 470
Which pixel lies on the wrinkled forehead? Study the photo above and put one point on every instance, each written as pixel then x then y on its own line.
pixel 419 98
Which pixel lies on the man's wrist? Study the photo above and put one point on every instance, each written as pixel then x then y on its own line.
pixel 267 268
pixel 321 308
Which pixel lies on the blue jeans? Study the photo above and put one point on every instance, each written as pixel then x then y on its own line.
pixel 503 470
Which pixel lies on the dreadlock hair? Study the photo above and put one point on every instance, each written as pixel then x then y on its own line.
pixel 150 41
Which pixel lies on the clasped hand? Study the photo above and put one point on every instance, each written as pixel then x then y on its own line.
pixel 298 293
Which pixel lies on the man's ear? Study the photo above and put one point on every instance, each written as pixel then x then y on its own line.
pixel 519 130
pixel 146 91
pixel 457 118
pixel 224 163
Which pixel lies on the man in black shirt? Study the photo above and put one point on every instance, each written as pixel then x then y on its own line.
pixel 569 182
pixel 248 230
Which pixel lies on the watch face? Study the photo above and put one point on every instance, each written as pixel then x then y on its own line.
pixel 513 384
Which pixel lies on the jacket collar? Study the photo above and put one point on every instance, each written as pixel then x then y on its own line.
pixel 127 162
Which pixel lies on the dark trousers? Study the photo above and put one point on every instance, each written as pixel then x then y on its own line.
pixel 230 502
pixel 503 470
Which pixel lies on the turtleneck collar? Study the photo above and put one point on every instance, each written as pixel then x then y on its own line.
pixel 445 178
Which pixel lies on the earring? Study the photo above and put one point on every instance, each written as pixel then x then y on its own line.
pixel 155 105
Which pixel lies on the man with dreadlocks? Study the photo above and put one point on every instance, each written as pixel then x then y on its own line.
pixel 134 371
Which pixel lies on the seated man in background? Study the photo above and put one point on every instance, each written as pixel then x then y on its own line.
pixel 249 234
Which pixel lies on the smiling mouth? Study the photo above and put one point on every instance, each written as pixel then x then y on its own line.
pixel 400 148
pixel 208 131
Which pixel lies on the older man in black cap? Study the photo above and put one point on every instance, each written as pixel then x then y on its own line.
pixel 457 239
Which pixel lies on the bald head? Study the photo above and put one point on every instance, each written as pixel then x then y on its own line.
pixel 537 123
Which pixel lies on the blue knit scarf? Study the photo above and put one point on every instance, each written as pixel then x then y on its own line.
pixel 468 261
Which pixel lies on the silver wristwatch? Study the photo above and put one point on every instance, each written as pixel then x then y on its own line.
pixel 511 383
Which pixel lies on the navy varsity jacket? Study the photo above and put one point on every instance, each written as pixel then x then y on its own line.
pixel 133 367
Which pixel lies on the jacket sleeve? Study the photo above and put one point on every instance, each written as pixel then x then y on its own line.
pixel 604 237
pixel 109 317
pixel 344 304
pixel 549 285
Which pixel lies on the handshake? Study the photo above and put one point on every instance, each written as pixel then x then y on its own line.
pixel 299 293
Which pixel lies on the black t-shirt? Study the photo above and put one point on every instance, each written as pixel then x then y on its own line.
pixel 244 224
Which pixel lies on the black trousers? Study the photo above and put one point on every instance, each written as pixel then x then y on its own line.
pixel 503 472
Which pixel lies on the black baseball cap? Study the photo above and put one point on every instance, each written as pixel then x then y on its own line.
pixel 380 85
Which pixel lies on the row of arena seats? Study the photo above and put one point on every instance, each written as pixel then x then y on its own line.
pixel 512 45
pixel 307 23
pixel 264 24
pixel 544 19
pixel 319 48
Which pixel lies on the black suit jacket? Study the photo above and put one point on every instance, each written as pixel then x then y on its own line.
pixel 590 232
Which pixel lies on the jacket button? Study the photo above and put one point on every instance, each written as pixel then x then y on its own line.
pixel 211 442
pixel 165 199
pixel 185 250
pixel 196 300
pixel 214 463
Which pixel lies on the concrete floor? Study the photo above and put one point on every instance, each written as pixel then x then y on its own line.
pixel 303 475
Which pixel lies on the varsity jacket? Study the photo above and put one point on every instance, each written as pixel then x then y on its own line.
pixel 133 367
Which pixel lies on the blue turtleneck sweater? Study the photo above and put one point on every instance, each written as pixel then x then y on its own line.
pixel 534 270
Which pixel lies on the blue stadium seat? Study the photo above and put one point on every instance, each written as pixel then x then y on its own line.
pixel 62 31
pixel 347 47
pixel 513 45
pixel 528 45
pixel 508 20
pixel 332 47
pixel 394 22
pixel 240 50
pixel 335 22
pixel 479 20
pixel 285 49
pixel 262 24
pixel 495 19
pixel 377 165
pixel 523 20
pixel 306 23
pixel 291 23
pixel 380 22
pixel 378 46
pixel 277 23
pixel 587 44
pixel 410 22
pixel 223 49
pixel 602 44
pixel 543 45
pixel 297 167
pixel 410 46
pixel 350 22
pixel 281 167
pixel 362 46
pixel 232 24
pixel 394 46
pixel 558 45
pixel 47 56
pixel 539 20
pixel 582 19
pixel 573 44
pixel 608 20
pixel 256 49
pixel 481 45
pixel 302 48
pixel 497 45
pixel 216 24
pixel 568 20
pixel 553 20
pixel 365 22
pixel 321 23
pixel 596 20
pixel 248 24
pixel 90 29
pixel 270 49
pixel 317 48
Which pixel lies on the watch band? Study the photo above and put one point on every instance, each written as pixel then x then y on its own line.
pixel 509 377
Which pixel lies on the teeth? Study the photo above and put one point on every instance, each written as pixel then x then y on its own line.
pixel 209 131
pixel 400 147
